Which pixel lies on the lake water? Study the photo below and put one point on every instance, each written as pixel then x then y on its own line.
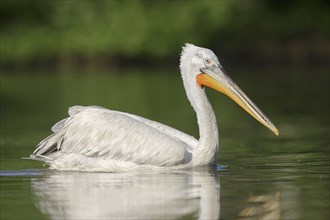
pixel 259 176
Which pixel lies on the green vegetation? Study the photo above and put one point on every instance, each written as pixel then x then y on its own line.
pixel 39 31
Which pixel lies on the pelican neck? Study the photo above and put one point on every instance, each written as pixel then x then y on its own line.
pixel 205 153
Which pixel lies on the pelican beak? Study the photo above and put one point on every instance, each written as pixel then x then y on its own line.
pixel 215 78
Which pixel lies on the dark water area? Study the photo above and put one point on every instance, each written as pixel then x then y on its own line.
pixel 260 176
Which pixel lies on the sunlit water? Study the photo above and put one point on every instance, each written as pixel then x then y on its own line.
pixel 260 176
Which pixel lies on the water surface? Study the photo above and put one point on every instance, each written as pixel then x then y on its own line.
pixel 262 176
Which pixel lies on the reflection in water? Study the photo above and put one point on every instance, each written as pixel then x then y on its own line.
pixel 167 195
pixel 266 207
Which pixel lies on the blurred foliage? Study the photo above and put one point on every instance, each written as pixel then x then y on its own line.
pixel 39 31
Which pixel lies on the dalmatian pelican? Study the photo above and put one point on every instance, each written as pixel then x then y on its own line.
pixel 94 138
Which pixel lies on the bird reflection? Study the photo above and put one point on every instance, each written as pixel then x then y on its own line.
pixel 265 207
pixel 192 194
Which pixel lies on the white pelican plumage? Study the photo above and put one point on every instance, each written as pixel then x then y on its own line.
pixel 97 139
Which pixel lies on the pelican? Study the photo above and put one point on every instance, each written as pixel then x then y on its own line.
pixel 93 138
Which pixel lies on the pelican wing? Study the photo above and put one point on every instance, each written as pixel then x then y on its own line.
pixel 188 139
pixel 95 132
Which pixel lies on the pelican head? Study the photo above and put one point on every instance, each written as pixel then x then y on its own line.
pixel 200 67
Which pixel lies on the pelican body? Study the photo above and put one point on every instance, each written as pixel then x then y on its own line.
pixel 97 139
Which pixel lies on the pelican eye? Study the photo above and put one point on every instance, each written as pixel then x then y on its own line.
pixel 207 61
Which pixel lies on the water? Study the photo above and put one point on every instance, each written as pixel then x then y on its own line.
pixel 260 176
